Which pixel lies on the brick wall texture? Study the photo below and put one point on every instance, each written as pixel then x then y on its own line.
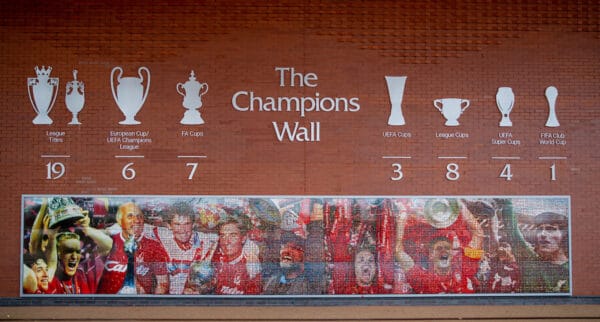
pixel 464 49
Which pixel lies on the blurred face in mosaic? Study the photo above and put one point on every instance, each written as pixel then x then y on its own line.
pixel 549 239
pixel 130 218
pixel 69 254
pixel 364 268
pixel 440 255
pixel 231 240
pixel 181 226
pixel 41 273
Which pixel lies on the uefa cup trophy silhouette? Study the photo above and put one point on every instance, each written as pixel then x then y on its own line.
pixel 75 97
pixel 130 94
pixel 551 94
pixel 192 92
pixel 45 90
pixel 395 86
pixel 505 99
pixel 451 109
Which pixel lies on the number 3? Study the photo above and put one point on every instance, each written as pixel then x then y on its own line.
pixel 397 171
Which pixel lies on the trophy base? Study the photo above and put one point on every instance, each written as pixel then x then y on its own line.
pixel 505 121
pixel 42 119
pixel 192 117
pixel 396 120
pixel 452 123
pixel 130 122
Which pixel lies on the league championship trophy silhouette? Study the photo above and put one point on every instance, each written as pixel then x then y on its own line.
pixel 42 90
pixel 75 97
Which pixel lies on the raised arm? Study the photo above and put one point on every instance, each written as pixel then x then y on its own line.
pixel 102 240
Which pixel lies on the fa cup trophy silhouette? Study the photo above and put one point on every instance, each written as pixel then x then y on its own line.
pixel 75 97
pixel 192 92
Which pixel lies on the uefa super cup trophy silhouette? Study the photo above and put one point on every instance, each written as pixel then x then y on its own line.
pixel 395 86
pixel 192 92
pixel 42 90
pixel 551 95
pixel 130 94
pixel 75 97
pixel 505 99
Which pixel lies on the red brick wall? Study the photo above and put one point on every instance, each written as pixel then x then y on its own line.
pixel 461 49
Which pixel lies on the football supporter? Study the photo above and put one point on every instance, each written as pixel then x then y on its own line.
pixel 237 271
pixel 450 267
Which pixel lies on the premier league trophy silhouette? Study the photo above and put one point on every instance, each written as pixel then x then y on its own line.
pixel 42 90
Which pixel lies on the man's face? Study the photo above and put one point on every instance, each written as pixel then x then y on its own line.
pixel 69 252
pixel 364 268
pixel 182 228
pixel 549 239
pixel 441 254
pixel 290 257
pixel 231 240
pixel 41 273
pixel 130 222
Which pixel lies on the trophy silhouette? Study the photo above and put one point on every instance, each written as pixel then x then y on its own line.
pixel 75 97
pixel 395 86
pixel 451 109
pixel 130 94
pixel 551 94
pixel 45 90
pixel 505 99
pixel 192 92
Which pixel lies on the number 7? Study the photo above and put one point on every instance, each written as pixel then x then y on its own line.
pixel 194 166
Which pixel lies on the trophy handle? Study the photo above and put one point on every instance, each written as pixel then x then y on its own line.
pixel 31 82
pixel 205 86
pixel 436 102
pixel 147 85
pixel 465 101
pixel 178 88
pixel 112 85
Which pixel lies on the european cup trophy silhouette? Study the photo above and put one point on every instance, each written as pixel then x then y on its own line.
pixel 395 86
pixel 130 94
pixel 42 90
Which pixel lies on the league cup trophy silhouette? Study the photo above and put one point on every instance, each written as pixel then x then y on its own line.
pixel 45 90
pixel 130 94
pixel 451 109
pixel 192 92
pixel 395 86
pixel 75 97
pixel 551 94
pixel 505 99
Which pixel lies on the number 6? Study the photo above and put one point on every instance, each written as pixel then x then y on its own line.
pixel 128 172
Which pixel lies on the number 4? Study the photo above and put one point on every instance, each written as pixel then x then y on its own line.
pixel 506 172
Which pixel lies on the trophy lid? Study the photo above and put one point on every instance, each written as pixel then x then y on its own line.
pixel 63 210
pixel 441 213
